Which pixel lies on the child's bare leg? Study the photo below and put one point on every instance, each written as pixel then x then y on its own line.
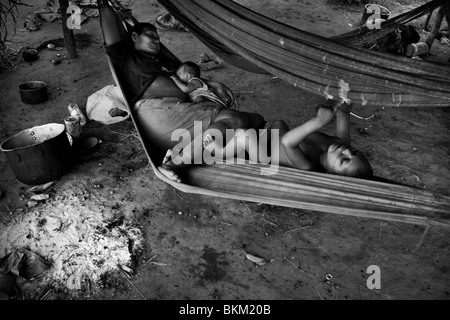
pixel 231 119
pixel 250 142
pixel 234 147
pixel 226 119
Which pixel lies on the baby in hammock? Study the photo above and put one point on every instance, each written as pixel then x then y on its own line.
pixel 187 78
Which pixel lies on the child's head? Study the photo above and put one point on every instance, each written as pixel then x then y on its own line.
pixel 347 161
pixel 187 70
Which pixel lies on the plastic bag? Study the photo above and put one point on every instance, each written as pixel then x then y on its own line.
pixel 107 106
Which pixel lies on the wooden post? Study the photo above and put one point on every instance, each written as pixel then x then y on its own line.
pixel 447 16
pixel 69 39
pixel 436 26
pixel 427 21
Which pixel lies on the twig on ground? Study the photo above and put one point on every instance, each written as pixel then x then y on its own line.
pixel 82 77
pixel 44 296
pixel 422 237
pixel 44 291
pixel 159 263
pixel 363 118
pixel 295 229
pixel 247 207
pixel 381 228
pixel 149 260
pixel 297 267
pixel 178 194
pixel 134 156
pixel 124 275
pixel 133 133
pixel 264 219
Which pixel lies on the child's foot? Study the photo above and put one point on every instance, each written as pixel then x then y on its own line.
pixel 167 167
pixel 207 140
pixel 168 170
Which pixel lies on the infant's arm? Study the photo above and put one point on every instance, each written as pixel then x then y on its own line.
pixel 186 87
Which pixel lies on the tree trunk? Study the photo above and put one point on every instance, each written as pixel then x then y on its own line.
pixel 427 21
pixel 436 26
pixel 69 39
pixel 447 16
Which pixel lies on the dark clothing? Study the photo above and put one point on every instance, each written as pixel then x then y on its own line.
pixel 156 115
pixel 136 69
pixel 160 117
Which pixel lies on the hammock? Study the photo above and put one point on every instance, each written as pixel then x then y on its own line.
pixel 303 189
pixel 364 36
pixel 317 64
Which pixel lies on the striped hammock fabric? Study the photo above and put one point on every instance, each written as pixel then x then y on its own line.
pixel 314 63
pixel 305 189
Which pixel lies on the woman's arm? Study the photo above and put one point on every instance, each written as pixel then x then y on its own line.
pixel 111 24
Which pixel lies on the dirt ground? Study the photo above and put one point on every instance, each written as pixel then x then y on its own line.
pixel 194 246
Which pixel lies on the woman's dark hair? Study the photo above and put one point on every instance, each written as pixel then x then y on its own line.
pixel 141 26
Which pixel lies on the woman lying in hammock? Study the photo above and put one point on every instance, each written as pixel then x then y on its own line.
pixel 302 147
pixel 159 106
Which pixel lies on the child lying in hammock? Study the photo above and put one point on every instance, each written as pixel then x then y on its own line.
pixel 304 147
pixel 187 78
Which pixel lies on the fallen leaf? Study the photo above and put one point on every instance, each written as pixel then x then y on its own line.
pixel 257 260
pixel 39 197
pixel 40 188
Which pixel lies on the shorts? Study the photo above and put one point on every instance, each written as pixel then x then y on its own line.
pixel 158 118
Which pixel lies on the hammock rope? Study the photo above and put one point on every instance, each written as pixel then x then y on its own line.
pixel 309 61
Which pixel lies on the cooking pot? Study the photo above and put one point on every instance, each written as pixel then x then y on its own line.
pixel 40 154
pixel 7 286
pixel 30 55
pixel 33 92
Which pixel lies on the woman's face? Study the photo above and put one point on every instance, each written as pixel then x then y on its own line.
pixel 147 41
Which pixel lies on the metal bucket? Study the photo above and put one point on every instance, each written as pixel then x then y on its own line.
pixel 416 49
pixel 33 92
pixel 40 154
pixel 369 10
